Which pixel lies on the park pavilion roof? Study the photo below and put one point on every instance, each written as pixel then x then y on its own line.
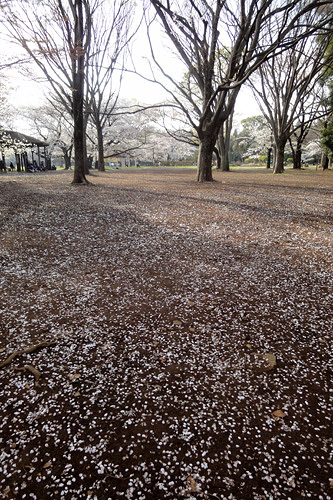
pixel 9 138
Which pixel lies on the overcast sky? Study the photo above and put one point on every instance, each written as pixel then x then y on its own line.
pixel 133 87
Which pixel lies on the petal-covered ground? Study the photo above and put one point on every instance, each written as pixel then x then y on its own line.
pixel 178 336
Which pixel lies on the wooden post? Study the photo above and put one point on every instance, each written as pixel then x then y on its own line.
pixel 18 162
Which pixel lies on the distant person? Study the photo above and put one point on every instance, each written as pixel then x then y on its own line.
pixel 30 167
pixel 35 165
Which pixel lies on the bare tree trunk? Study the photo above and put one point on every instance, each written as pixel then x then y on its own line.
pixel 101 166
pixel 206 149
pixel 79 149
pixel 216 133
pixel 78 97
pixel 324 161
pixel 225 167
pixel 297 153
pixel 224 152
pixel 297 159
pixel 218 158
pixel 224 140
pixel 86 161
pixel 67 160
pixel 274 156
pixel 269 157
pixel 279 162
pixel 67 153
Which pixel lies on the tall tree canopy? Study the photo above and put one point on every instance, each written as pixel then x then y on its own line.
pixel 56 35
pixel 76 45
pixel 246 33
pixel 113 29
pixel 286 90
pixel 327 132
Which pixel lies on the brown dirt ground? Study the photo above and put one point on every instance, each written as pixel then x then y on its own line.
pixel 181 316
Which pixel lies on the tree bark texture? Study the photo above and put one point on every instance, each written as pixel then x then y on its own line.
pixel 269 157
pixel 206 149
pixel 224 141
pixel 224 152
pixel 324 161
pixel 279 161
pixel 67 160
pixel 297 151
pixel 297 158
pixel 78 61
pixel 101 165
pixel 218 158
pixel 79 174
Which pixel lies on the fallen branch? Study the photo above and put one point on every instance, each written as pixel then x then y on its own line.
pixel 36 373
pixel 28 350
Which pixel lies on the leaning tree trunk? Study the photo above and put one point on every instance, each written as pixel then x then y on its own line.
pixel 206 149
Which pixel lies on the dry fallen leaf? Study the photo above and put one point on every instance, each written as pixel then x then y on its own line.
pixel 190 303
pixel 270 360
pixel 277 414
pixel 177 322
pixel 263 362
pixel 75 376
pixel 191 483
pixel 6 491
pixel 191 330
pixel 48 464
